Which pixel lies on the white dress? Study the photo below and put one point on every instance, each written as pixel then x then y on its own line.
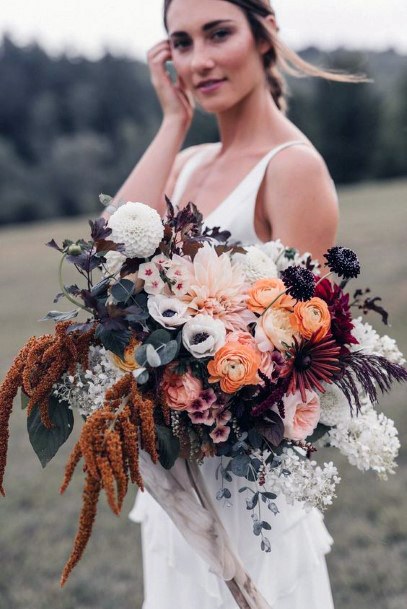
pixel 294 574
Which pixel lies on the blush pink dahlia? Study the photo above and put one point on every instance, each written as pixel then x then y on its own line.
pixel 218 289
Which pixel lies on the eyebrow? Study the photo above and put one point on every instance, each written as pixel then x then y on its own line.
pixel 205 28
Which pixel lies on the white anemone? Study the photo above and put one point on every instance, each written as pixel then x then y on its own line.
pixel 203 336
pixel 169 312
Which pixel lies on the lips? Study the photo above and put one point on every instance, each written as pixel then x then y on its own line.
pixel 209 83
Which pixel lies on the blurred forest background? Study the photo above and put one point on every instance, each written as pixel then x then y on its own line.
pixel 71 128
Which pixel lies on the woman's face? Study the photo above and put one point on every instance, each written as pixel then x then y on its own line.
pixel 214 52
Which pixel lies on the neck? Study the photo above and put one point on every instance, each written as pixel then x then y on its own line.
pixel 243 125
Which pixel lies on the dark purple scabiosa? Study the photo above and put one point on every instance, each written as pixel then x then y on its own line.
pixel 311 363
pixel 343 262
pixel 300 282
pixel 338 305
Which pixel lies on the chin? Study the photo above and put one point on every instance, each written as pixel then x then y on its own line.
pixel 219 104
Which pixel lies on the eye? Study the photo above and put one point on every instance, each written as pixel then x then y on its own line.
pixel 180 43
pixel 220 34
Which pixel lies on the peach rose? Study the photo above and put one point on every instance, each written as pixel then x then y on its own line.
pixel 180 390
pixel 234 366
pixel 301 418
pixel 264 291
pixel 313 316
pixel 276 329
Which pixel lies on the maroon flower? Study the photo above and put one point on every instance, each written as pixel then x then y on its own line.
pixel 310 363
pixel 338 305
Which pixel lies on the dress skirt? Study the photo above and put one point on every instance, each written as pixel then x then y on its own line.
pixel 292 576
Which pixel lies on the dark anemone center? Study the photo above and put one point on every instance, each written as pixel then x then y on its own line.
pixel 169 313
pixel 200 338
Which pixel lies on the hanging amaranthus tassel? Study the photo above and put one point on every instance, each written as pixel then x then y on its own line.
pixel 109 445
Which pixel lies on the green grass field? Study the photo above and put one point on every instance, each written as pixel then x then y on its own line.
pixel 368 519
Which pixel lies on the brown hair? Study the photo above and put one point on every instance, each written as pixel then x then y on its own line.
pixel 280 58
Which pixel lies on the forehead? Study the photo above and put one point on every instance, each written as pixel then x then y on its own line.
pixel 187 15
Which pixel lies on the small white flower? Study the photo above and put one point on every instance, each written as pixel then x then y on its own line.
pixel 154 286
pixel 148 271
pixel 387 347
pixel 169 312
pixel 202 335
pixel 161 261
pixel 365 335
pixel 114 262
pixel 334 406
pixel 138 227
pixel 178 274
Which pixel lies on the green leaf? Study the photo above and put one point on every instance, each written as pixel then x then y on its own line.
pixel 153 357
pixel 113 340
pixel 24 400
pixel 168 446
pixel 240 465
pixel 159 338
pixel 318 433
pixel 60 315
pixel 169 352
pixel 123 290
pixel 46 442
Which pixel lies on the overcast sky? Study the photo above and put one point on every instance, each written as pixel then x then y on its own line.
pixel 132 26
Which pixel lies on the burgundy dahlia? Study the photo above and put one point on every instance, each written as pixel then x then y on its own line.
pixel 338 305
pixel 311 363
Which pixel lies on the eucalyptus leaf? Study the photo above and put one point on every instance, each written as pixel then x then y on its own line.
pixel 169 352
pixel 266 525
pixel 265 545
pixel 159 338
pixel 168 446
pixel 143 377
pixel 46 442
pixel 141 355
pixel 153 357
pixel 240 465
pixel 60 315
pixel 252 502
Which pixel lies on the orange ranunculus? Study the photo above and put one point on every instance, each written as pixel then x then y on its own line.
pixel 234 366
pixel 128 363
pixel 313 316
pixel 264 291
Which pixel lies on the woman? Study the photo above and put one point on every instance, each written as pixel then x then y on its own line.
pixel 264 180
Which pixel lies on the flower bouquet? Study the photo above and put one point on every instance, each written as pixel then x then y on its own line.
pixel 193 346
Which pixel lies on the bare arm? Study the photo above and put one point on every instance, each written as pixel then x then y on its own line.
pixel 302 206
pixel 150 177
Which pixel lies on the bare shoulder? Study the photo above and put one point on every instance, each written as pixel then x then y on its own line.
pixel 300 200
pixel 180 160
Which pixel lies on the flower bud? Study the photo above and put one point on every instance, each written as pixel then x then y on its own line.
pixel 74 250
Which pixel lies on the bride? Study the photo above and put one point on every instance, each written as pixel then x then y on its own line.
pixel 264 180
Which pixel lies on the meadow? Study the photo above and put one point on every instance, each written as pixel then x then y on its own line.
pixel 368 520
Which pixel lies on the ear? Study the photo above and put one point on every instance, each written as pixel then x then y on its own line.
pixel 270 23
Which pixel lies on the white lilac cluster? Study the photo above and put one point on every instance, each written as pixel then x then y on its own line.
pixel 370 342
pixel 369 441
pixel 138 227
pixel 334 406
pixel 114 263
pixel 301 479
pixel 85 391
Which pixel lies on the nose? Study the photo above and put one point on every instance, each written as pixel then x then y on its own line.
pixel 201 60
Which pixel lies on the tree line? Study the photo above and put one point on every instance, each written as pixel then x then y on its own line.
pixel 71 128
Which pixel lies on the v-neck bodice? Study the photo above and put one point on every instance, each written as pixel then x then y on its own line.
pixel 236 212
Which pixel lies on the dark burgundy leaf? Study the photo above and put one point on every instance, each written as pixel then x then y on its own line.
pixel 130 266
pixel 99 229
pixel 271 428
pixel 54 245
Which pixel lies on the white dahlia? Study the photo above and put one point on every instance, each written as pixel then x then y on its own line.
pixel 255 264
pixel 203 336
pixel 138 227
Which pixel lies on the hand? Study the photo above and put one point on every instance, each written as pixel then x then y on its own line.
pixel 175 100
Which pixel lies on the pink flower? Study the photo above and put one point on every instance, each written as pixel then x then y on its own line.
pixel 223 417
pixel 217 288
pixel 220 434
pixel 180 390
pixel 203 417
pixel 301 418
